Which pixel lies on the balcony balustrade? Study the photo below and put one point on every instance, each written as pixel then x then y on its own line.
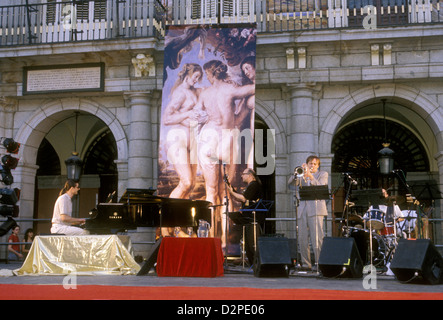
pixel 87 20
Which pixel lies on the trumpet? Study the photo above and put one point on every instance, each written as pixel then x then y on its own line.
pixel 299 172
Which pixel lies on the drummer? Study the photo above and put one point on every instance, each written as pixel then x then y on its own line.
pixel 390 209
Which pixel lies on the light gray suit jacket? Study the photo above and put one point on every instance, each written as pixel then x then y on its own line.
pixel 311 207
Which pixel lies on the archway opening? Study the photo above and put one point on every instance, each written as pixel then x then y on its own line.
pixel 268 181
pixel 356 147
pixel 97 148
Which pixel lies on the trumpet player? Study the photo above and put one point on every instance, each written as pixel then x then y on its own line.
pixel 310 213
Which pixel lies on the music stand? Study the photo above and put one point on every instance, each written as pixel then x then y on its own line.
pixel 308 193
pixel 314 193
pixel 368 197
pixel 425 189
pixel 261 206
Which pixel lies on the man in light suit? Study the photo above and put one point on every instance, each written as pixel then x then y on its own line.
pixel 311 213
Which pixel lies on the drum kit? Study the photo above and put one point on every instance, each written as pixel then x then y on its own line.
pixel 376 236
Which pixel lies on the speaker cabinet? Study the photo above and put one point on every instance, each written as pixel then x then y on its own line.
pixel 339 257
pixel 417 261
pixel 272 257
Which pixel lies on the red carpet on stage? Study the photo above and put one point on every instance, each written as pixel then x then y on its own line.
pixel 98 292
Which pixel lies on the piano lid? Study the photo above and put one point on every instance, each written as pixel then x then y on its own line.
pixel 146 196
pixel 140 196
pixel 174 212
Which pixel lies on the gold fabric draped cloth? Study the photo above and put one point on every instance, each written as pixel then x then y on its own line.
pixel 86 254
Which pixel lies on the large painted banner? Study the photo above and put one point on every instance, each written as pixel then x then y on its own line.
pixel 207 119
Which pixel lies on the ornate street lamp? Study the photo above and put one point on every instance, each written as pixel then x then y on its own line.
pixel 74 166
pixel 74 163
pixel 385 155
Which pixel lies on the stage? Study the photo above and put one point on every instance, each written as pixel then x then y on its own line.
pixel 237 283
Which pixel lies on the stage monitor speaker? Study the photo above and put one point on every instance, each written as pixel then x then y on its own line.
pixel 293 249
pixel 339 257
pixel 417 261
pixel 272 257
pixel 151 260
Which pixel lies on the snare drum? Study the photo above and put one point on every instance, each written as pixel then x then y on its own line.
pixel 375 219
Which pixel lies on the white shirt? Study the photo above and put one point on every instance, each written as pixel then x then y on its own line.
pixel 63 205
pixel 384 208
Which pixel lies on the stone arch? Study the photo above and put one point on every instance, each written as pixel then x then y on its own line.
pixel 409 97
pixel 268 115
pixel 32 132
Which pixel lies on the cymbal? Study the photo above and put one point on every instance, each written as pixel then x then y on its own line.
pixel 396 199
pixel 355 218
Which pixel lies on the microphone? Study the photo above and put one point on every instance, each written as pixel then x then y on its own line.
pixel 351 180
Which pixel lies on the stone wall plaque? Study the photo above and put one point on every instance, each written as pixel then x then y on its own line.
pixel 63 78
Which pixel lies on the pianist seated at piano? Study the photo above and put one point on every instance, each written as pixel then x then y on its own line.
pixel 62 220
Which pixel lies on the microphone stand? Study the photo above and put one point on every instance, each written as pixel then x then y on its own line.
pixel 418 212
pixel 346 206
pixel 333 195
pixel 296 185
pixel 226 217
pixel 296 205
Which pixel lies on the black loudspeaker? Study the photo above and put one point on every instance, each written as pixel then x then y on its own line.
pixel 417 261
pixel 339 257
pixel 293 249
pixel 272 257
pixel 152 259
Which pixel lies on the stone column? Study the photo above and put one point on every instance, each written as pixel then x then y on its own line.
pixel 140 158
pixel 122 169
pixel 24 179
pixel 301 132
pixel 438 209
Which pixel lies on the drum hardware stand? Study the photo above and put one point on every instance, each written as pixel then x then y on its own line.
pixel 370 198
pixel 345 215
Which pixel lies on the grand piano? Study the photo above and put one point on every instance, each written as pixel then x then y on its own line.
pixel 141 208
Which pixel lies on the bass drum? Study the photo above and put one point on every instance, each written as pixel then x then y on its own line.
pixel 361 238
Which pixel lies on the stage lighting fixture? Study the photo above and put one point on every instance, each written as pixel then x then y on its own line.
pixel 9 162
pixel 6 176
pixel 6 226
pixel 9 196
pixel 8 199
pixel 10 145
